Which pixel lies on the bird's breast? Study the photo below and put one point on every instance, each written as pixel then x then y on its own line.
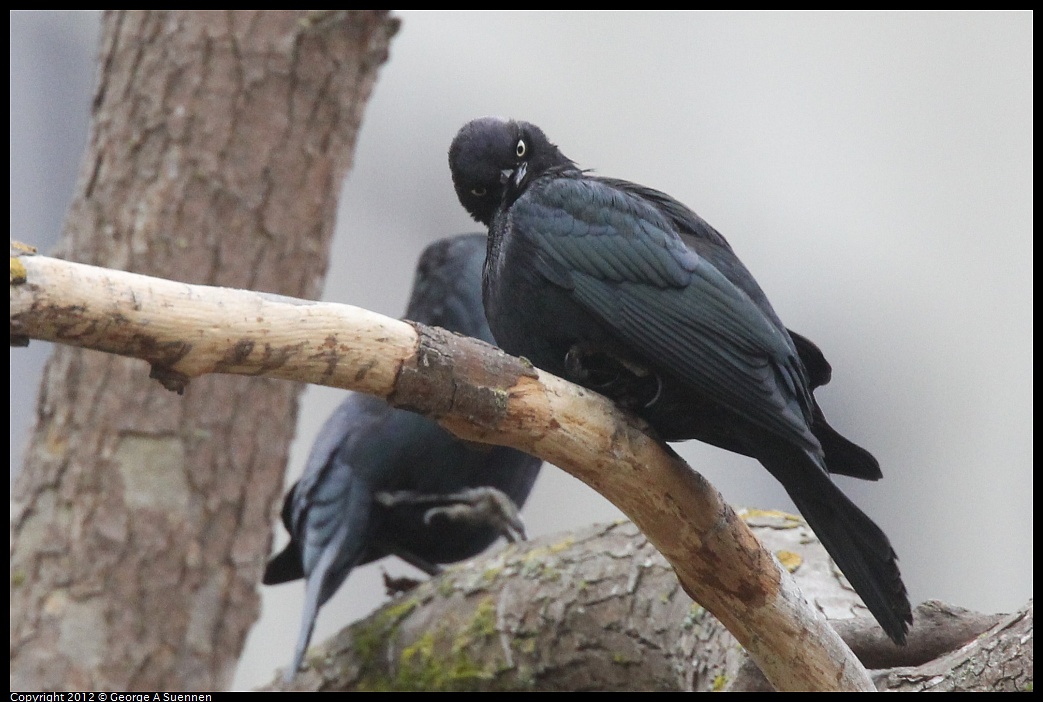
pixel 529 314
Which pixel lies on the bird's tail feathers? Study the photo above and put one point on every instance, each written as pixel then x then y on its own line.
pixel 857 545
pixel 843 457
pixel 308 615
pixel 285 566
pixel 322 582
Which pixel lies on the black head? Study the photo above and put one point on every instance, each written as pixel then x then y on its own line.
pixel 492 156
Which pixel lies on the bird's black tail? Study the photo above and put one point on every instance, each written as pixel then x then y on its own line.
pixel 858 546
pixel 312 597
pixel 284 567
pixel 843 457
pixel 322 582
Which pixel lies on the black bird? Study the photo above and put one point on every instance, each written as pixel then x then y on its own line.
pixel 381 481
pixel 626 291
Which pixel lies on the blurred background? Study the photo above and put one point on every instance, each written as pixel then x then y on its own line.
pixel 873 170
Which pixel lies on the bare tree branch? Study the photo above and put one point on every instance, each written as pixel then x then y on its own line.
pixel 478 392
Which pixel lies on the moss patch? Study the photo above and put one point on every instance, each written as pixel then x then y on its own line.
pixel 443 658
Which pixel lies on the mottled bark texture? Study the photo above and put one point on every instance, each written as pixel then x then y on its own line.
pixel 1000 660
pixel 218 145
pixel 600 610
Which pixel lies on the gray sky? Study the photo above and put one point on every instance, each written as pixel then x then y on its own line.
pixel 873 170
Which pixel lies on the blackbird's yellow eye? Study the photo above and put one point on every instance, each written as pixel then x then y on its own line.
pixel 520 149
pixel 478 192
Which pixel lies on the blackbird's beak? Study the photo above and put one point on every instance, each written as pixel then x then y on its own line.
pixel 516 174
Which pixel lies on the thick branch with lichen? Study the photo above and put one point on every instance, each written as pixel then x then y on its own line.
pixel 185 331
pixel 600 610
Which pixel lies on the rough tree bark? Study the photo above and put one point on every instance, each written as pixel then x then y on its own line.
pixel 599 609
pixel 218 146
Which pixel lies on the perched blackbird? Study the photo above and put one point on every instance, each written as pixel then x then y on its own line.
pixel 624 290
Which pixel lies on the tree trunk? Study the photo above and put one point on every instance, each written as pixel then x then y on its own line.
pixel 142 520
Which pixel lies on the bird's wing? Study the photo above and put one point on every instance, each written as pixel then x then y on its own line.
pixel 622 260
pixel 331 505
pixel 706 241
pixel 686 223
pixel 328 512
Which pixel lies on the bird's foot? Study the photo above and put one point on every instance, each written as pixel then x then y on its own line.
pixel 484 506
pixel 398 586
pixel 628 384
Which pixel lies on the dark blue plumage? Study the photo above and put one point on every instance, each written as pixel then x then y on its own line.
pixel 378 479
pixel 623 289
